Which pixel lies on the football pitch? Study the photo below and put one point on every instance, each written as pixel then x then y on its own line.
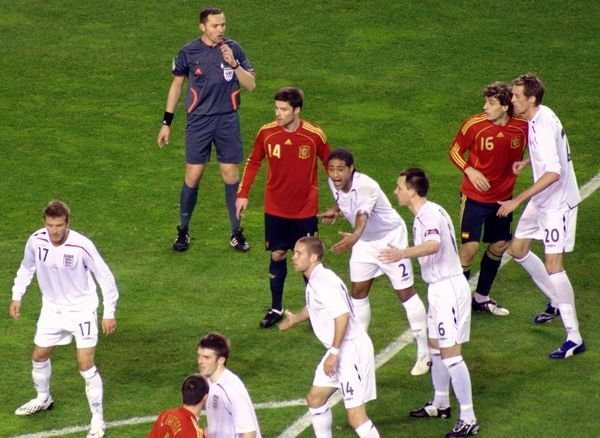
pixel 83 92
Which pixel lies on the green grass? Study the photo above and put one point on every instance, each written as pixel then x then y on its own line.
pixel 83 89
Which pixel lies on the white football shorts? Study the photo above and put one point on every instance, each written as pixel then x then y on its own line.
pixel 449 312
pixel 364 264
pixel 555 228
pixel 355 373
pixel 58 327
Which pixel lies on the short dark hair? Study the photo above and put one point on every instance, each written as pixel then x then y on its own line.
pixel 532 86
pixel 208 11
pixel 57 208
pixel 216 342
pixel 193 389
pixel 502 92
pixel 416 179
pixel 342 154
pixel 291 95
pixel 313 245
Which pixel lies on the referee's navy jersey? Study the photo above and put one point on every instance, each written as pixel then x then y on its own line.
pixel 213 87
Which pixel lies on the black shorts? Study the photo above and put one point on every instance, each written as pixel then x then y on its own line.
pixel 282 233
pixel 477 215
pixel 223 130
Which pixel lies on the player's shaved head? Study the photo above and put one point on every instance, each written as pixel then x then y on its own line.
pixel 313 246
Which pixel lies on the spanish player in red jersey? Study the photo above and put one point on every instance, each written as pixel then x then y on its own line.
pixel 182 422
pixel 494 140
pixel 291 147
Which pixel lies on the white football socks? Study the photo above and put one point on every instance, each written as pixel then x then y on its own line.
pixel 536 269
pixel 367 430
pixel 321 420
pixel 566 305
pixel 440 379
pixel 94 392
pixel 362 309
pixel 417 319
pixel 461 384
pixel 41 372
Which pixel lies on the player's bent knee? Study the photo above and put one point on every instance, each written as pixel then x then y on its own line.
pixel 41 354
pixel 314 402
pixel 515 252
pixel 405 294
pixel 318 396
pixel 357 416
pixel 498 248
pixel 278 255
pixel 467 252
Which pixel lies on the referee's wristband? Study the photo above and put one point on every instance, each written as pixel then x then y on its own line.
pixel 167 118
pixel 334 350
pixel 237 65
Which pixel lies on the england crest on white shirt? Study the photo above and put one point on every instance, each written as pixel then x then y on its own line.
pixel 68 260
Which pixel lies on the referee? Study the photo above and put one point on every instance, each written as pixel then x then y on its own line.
pixel 215 67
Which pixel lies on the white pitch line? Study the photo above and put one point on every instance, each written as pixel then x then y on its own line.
pixel 304 421
pixel 590 187
pixel 151 419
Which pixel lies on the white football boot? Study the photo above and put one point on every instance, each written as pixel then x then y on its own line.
pixel 35 405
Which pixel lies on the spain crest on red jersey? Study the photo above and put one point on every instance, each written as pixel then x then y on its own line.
pixel 515 142
pixel 304 152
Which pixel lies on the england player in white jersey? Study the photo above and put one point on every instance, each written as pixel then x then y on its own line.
pixel 449 298
pixel 375 225
pixel 550 214
pixel 349 362
pixel 64 261
pixel 229 410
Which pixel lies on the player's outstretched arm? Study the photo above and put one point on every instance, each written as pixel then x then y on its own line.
pixel 393 253
pixel 349 239
pixel 330 215
pixel 518 166
pixel 507 207
pixel 290 319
